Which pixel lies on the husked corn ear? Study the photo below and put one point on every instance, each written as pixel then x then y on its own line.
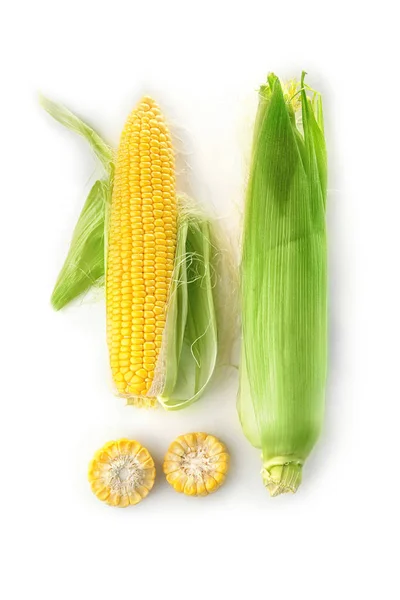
pixel 196 464
pixel 141 249
pixel 122 473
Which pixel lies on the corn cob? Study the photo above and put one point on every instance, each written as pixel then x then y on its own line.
pixel 141 249
pixel 196 464
pixel 122 473
pixel 158 268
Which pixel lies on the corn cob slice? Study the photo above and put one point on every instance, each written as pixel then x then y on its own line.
pixel 196 464
pixel 122 473
pixel 141 250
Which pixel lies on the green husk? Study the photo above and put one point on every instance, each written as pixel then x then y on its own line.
pixel 191 330
pixel 84 266
pixel 284 284
pixel 64 116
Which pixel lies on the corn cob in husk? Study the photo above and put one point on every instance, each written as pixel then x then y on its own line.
pixel 284 284
pixel 155 252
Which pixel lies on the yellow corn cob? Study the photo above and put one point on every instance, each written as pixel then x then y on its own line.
pixel 196 464
pixel 122 473
pixel 141 250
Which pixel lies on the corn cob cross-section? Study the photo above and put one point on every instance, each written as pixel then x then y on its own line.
pixel 141 250
pixel 122 473
pixel 196 464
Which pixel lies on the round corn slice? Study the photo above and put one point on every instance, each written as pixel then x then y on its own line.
pixel 122 473
pixel 196 464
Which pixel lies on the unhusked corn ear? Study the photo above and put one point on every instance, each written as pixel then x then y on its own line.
pixel 141 249
pixel 283 368
pixel 122 473
pixel 196 464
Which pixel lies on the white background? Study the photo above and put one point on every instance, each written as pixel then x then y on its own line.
pixel 203 61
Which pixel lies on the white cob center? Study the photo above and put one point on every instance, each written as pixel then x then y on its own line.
pixel 196 463
pixel 125 473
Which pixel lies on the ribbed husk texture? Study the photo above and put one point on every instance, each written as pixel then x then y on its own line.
pixel 284 283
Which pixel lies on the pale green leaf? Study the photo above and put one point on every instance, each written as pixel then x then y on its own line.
pixel 74 123
pixel 84 265
pixel 191 329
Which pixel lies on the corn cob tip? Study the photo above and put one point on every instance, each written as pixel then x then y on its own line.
pixel 282 478
pixel 291 90
pixel 147 103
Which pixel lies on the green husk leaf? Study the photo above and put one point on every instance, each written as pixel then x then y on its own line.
pixel 191 329
pixel 84 265
pixel 284 285
pixel 70 121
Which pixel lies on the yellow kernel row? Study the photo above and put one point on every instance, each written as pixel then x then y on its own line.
pixel 142 239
